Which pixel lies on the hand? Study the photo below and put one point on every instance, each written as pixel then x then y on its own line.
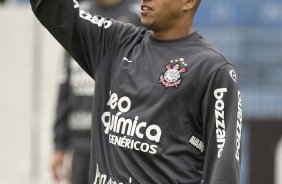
pixel 57 165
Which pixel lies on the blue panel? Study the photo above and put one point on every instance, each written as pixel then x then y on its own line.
pixel 269 13
pixel 226 12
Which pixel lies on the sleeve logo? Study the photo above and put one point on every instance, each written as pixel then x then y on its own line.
pixel 76 5
pixel 239 127
pixel 233 75
pixel 197 143
pixel 219 118
pixel 97 20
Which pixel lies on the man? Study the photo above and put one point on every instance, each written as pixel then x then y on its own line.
pixel 72 128
pixel 167 106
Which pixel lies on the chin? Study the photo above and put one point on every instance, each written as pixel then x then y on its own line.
pixel 147 24
pixel 143 21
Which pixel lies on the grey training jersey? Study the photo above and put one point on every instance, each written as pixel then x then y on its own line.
pixel 165 112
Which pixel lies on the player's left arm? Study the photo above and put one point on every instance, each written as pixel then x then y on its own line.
pixel 222 127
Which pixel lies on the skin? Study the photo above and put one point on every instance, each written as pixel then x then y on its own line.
pixel 57 165
pixel 169 19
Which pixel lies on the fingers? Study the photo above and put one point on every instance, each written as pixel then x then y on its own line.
pixel 57 166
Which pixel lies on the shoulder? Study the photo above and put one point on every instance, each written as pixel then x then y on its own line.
pixel 213 52
pixel 210 52
pixel 208 57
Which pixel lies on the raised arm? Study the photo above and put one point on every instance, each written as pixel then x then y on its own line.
pixel 86 37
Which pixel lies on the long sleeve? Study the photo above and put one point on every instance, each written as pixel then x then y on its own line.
pixel 222 124
pixel 61 129
pixel 86 37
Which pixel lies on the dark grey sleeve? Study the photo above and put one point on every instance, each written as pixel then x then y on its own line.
pixel 61 130
pixel 222 124
pixel 86 37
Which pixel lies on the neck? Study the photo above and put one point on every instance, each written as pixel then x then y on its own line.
pixel 171 35
pixel 180 30
pixel 107 3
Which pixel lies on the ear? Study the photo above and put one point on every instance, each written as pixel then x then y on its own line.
pixel 190 4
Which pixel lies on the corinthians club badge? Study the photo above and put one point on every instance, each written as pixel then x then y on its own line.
pixel 172 76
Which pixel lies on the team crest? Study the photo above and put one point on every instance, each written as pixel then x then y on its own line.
pixel 172 76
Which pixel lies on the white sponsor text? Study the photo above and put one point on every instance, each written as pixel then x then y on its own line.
pixel 219 117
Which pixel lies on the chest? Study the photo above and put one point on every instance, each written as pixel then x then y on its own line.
pixel 151 70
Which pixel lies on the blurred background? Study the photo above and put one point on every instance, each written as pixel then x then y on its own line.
pixel 248 32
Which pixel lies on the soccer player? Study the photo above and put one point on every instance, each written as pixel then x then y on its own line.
pixel 167 104
pixel 72 127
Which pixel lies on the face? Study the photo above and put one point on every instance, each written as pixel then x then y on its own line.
pixel 161 14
